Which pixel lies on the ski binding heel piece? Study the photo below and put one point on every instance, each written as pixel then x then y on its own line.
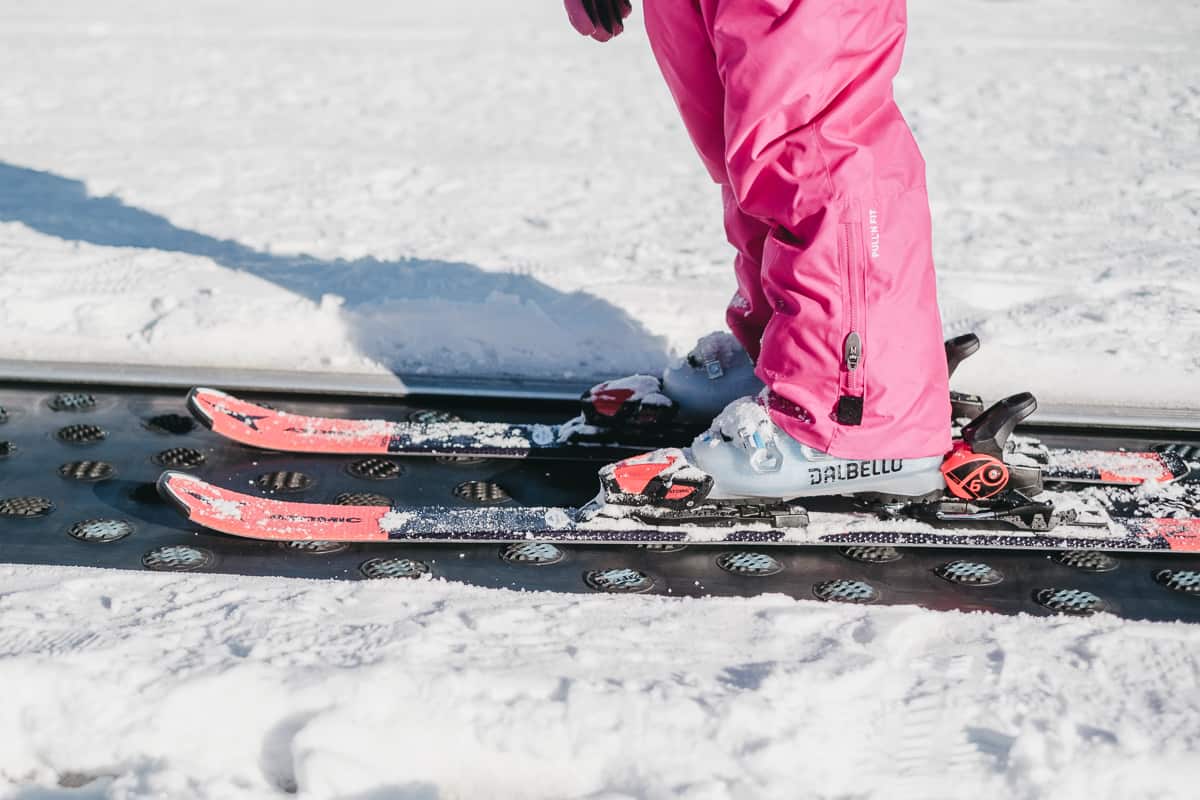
pixel 963 406
pixel 975 468
pixel 984 487
pixel 989 432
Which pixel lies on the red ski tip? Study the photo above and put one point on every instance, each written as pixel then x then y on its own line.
pixel 228 511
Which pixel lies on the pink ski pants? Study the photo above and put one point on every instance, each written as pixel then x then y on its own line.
pixel 790 105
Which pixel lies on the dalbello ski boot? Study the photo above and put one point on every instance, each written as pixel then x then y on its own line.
pixel 745 470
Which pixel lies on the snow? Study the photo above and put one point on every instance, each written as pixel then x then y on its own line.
pixel 421 187
pixel 429 189
pixel 1135 465
pixel 226 509
pixel 224 687
pixel 1168 500
pixel 395 520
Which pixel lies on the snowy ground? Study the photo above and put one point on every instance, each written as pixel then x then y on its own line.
pixel 423 187
pixel 437 187
pixel 218 687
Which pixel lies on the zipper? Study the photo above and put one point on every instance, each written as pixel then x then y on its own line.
pixel 850 404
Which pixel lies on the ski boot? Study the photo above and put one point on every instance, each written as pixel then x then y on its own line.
pixel 744 469
pixel 690 393
pixel 695 389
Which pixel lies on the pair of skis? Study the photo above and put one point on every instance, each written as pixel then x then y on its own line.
pixel 1111 507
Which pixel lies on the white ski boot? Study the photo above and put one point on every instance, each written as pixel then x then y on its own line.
pixel 745 457
pixel 744 469
pixel 748 456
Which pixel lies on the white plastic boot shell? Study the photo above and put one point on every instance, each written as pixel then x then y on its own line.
pixel 749 457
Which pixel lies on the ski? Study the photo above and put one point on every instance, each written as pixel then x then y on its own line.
pixel 1088 522
pixel 268 429
pixel 1098 467
pixel 257 426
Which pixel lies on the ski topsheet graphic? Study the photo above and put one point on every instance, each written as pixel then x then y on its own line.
pixel 1090 525
pixel 258 426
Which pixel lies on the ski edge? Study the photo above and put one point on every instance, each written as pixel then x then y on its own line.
pixel 167 492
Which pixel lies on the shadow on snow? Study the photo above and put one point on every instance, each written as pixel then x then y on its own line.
pixel 376 293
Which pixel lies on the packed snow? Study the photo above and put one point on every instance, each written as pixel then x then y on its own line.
pixel 151 685
pixel 451 188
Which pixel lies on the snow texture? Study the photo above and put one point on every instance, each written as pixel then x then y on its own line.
pixel 140 685
pixel 425 187
pixel 226 509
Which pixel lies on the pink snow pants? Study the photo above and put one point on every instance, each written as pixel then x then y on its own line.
pixel 789 103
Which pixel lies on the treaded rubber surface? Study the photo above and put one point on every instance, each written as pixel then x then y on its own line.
pixel 119 522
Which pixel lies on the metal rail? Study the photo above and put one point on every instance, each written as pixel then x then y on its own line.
pixel 1049 416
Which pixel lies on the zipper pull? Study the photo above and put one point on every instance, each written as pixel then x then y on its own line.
pixel 852 351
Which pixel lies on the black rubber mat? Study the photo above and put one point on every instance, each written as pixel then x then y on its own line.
pixel 77 467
